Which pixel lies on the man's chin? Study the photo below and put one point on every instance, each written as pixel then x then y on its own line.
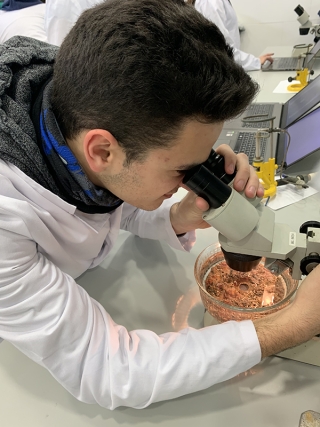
pixel 151 207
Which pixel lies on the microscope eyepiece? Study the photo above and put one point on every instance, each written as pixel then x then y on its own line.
pixel 299 10
pixel 206 185
pixel 215 164
pixel 303 18
pixel 210 181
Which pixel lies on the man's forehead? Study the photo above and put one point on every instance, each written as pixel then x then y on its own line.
pixel 192 146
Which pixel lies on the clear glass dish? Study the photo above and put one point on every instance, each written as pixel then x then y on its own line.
pixel 231 295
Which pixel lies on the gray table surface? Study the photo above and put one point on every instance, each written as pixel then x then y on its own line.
pixel 146 284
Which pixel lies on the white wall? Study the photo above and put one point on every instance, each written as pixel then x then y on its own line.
pixel 272 22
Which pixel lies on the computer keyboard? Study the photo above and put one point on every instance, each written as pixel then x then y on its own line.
pixel 246 143
pixel 287 63
pixel 257 110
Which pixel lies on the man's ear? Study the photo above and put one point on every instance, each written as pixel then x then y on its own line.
pixel 100 149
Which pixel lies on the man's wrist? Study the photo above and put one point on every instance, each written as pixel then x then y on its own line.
pixel 179 232
pixel 280 331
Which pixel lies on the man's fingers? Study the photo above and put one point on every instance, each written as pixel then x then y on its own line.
pixel 202 204
pixel 230 159
pixel 243 172
pixel 246 178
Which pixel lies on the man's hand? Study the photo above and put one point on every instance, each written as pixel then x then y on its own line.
pixel 266 57
pixel 246 178
pixel 187 214
pixel 295 324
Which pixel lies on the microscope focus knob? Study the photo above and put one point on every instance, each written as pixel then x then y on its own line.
pixel 308 263
pixel 312 224
pixel 290 79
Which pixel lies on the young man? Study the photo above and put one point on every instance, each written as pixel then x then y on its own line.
pixel 139 93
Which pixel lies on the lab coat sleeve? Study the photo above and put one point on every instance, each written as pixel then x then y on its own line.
pixel 52 320
pixel 249 62
pixel 61 16
pixel 155 225
pixel 215 12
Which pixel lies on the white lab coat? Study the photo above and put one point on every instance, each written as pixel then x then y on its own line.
pixel 28 22
pixel 45 244
pixel 61 15
pixel 221 13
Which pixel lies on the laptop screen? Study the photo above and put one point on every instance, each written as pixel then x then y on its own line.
pixel 304 137
pixel 300 103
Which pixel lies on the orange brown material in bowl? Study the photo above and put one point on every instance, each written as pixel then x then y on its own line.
pixel 245 289
pixel 232 295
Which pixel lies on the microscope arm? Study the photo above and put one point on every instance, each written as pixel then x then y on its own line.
pixel 248 230
pixel 248 227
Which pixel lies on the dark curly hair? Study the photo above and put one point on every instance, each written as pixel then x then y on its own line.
pixel 142 68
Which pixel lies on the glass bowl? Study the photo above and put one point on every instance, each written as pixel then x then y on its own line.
pixel 231 295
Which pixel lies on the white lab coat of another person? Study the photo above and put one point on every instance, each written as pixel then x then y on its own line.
pixel 221 13
pixel 61 15
pixel 28 22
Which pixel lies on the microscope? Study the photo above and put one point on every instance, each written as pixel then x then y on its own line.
pixel 247 228
pixel 306 25
pixel 248 231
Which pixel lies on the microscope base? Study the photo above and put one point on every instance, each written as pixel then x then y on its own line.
pixel 308 352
